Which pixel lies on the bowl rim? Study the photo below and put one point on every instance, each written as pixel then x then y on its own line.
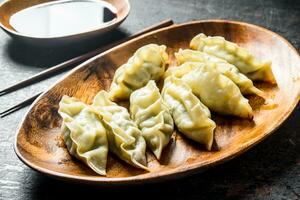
pixel 107 26
pixel 171 173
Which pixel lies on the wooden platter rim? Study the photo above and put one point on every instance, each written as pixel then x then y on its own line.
pixel 170 173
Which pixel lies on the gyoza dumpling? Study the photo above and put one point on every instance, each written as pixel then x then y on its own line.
pixel 124 138
pixel 191 117
pixel 147 63
pixel 84 134
pixel 217 91
pixel 232 53
pixel 245 84
pixel 152 116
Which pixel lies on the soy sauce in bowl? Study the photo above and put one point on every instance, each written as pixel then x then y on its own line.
pixel 63 18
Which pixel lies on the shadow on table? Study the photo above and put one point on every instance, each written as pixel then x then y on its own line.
pixel 48 56
pixel 254 174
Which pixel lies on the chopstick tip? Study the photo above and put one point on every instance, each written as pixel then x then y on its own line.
pixel 2 93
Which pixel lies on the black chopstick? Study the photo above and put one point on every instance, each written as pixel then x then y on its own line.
pixel 66 65
pixel 19 106
pixel 72 62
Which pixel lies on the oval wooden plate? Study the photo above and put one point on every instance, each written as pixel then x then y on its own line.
pixel 40 146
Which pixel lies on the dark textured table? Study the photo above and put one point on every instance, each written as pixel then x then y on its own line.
pixel 268 171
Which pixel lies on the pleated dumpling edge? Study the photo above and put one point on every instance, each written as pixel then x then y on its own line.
pixel 147 63
pixel 124 138
pixel 246 62
pixel 152 116
pixel 190 115
pixel 84 133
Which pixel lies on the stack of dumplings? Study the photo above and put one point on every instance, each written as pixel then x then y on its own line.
pixel 233 54
pixel 211 76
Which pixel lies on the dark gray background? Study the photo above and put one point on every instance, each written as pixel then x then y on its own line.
pixel 268 171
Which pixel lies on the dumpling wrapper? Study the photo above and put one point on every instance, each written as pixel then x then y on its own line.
pixel 147 63
pixel 124 138
pixel 232 53
pixel 84 134
pixel 191 117
pixel 217 92
pixel 243 82
pixel 152 116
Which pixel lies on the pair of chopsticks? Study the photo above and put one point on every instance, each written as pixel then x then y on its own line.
pixel 68 65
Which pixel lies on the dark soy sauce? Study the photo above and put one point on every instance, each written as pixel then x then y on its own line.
pixel 61 18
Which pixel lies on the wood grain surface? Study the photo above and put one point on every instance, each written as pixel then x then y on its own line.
pixel 39 143
pixel 270 170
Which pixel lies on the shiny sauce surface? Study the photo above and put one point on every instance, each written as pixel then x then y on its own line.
pixel 62 18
